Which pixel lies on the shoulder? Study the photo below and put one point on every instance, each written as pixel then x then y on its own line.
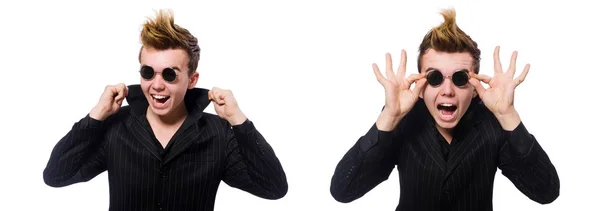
pixel 119 117
pixel 214 120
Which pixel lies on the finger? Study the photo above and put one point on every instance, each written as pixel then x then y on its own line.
pixel 121 90
pixel 379 76
pixel 389 72
pixel 220 98
pixel 521 77
pixel 513 64
pixel 478 87
pixel 497 64
pixel 481 77
pixel 110 91
pixel 117 93
pixel 210 95
pixel 419 86
pixel 126 90
pixel 402 66
pixel 413 77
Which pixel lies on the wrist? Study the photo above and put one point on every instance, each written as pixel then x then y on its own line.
pixel 387 122
pixel 509 120
pixel 97 114
pixel 237 119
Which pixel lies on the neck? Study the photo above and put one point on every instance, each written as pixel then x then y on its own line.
pixel 173 118
pixel 447 133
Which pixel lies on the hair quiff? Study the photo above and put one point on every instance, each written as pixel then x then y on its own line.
pixel 162 33
pixel 448 37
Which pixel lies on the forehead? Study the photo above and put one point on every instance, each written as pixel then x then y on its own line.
pixel 446 62
pixel 160 59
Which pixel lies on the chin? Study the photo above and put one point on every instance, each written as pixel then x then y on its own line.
pixel 445 124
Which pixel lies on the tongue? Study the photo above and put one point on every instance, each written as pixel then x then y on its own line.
pixel 447 112
pixel 162 100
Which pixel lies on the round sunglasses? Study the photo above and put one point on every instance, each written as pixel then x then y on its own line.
pixel 459 78
pixel 168 74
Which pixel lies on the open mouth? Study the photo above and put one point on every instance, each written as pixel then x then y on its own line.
pixel 160 98
pixel 447 110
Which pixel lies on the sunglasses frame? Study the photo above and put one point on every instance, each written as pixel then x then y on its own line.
pixel 161 72
pixel 449 77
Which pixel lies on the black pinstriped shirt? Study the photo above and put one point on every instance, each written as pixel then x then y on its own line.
pixel 185 175
pixel 463 180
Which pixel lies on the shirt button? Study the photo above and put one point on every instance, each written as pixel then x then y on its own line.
pixel 448 194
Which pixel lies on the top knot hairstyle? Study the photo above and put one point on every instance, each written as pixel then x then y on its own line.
pixel 449 38
pixel 162 33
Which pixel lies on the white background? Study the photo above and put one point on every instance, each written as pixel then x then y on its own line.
pixel 301 70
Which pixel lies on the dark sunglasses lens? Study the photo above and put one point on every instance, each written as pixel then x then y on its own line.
pixel 460 78
pixel 435 78
pixel 147 72
pixel 169 74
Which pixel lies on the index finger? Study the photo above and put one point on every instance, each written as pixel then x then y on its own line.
pixel 414 77
pixel 119 92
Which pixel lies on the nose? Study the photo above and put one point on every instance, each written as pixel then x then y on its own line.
pixel 447 88
pixel 158 83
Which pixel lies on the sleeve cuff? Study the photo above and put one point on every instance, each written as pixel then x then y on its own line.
pixel 245 127
pixel 374 137
pixel 520 140
pixel 89 122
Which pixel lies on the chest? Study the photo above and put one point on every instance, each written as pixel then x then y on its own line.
pixel 164 135
pixel 472 159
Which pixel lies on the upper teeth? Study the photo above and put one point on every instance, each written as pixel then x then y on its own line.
pixel 446 104
pixel 159 96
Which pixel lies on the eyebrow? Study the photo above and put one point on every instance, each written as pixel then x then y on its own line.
pixel 431 68
pixel 173 67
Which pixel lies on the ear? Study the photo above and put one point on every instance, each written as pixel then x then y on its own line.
pixel 193 80
pixel 474 92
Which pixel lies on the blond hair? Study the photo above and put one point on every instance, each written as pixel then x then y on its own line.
pixel 448 37
pixel 162 33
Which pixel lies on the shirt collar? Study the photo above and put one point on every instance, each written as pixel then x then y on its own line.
pixel 196 100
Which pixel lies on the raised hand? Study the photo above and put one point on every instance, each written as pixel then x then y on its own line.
pixel 499 97
pixel 110 101
pixel 399 98
pixel 226 106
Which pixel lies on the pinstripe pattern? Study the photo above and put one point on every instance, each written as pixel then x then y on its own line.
pixel 185 175
pixel 463 181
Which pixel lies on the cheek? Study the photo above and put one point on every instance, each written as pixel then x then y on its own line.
pixel 178 90
pixel 466 95
pixel 429 94
pixel 144 84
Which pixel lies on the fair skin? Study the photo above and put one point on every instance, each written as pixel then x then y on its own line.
pixel 447 93
pixel 498 98
pixel 166 116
